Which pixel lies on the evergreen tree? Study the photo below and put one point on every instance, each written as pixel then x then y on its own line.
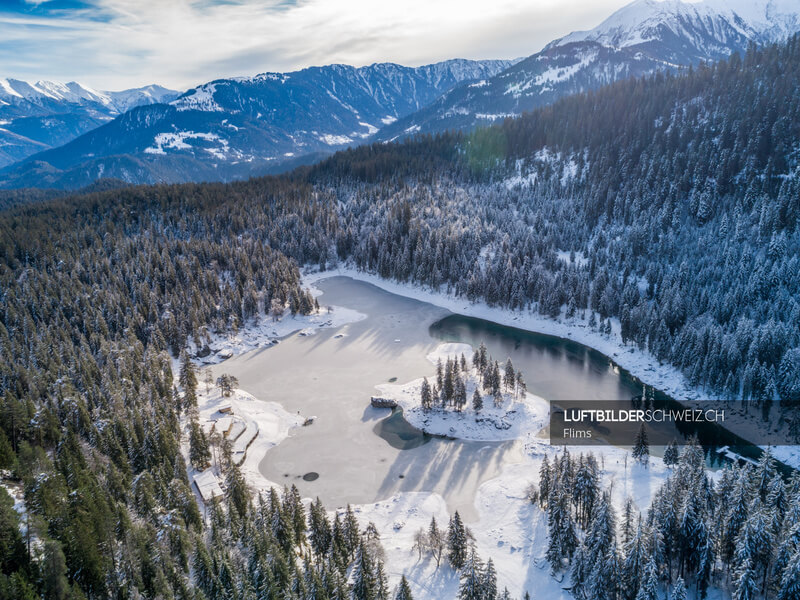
pixel 426 397
pixel 477 401
pixel 381 585
pixel 671 454
pixel 199 451
pixel 509 378
pixel 403 590
pixel 641 446
pixel 649 588
pixel 789 587
pixel 457 542
pixel 54 571
pixel 489 587
pixel 188 381
pixel 745 586
pixel 678 590
pixel 364 586
pixel 472 577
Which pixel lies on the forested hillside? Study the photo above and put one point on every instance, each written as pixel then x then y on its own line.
pixel 680 192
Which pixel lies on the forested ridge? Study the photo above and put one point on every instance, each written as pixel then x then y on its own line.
pixel 681 193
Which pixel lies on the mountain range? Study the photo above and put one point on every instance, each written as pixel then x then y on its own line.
pixel 240 127
pixel 38 116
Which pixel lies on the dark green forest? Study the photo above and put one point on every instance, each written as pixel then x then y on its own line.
pixel 681 192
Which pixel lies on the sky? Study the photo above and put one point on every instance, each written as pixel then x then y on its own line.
pixel 119 44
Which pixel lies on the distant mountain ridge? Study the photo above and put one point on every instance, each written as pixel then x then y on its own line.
pixel 42 115
pixel 638 39
pixel 232 128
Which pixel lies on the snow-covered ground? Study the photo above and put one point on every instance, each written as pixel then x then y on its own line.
pixel 513 419
pixel 509 529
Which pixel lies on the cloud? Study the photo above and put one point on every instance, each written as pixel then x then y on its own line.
pixel 121 43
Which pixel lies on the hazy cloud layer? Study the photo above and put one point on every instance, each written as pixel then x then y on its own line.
pixel 113 44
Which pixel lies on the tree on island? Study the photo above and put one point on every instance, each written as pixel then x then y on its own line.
pixel 477 401
pixel 641 446
pixel 521 387
pixel 460 399
pixel 509 378
pixel 426 397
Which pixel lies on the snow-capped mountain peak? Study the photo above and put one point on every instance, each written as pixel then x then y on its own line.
pixel 705 22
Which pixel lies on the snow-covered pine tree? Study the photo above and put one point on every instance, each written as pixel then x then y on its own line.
pixel 472 577
pixel 649 587
pixel 509 377
pixel 789 588
pixel 545 479
pixel 671 454
pixel 678 590
pixel 477 400
pixel 563 539
pixel 489 584
pixel 641 446
pixel 403 590
pixel 521 386
pixel 634 561
pixel 188 381
pixel 199 450
pixel 628 522
pixel 381 585
pixel 364 586
pixel 744 585
pixel 351 531
pixel 457 542
pixel 319 530
pixel 426 398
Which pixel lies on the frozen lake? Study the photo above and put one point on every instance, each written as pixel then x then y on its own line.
pixel 332 374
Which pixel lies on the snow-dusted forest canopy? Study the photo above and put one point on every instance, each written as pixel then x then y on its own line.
pixel 679 197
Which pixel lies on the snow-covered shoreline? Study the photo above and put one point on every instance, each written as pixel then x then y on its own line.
pixel 268 331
